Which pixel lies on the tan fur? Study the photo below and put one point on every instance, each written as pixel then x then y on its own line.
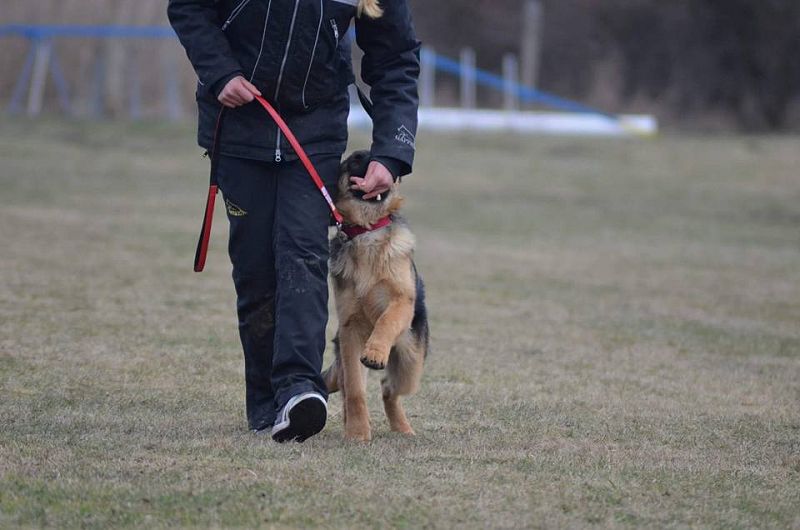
pixel 375 290
pixel 371 8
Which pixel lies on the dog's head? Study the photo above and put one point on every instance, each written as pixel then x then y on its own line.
pixel 351 203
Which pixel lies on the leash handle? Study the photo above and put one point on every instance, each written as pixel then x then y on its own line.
pixel 205 233
pixel 301 154
pixel 208 217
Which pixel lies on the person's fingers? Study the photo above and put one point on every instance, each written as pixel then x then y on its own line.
pixel 377 191
pixel 243 94
pixel 371 180
pixel 377 172
pixel 229 97
pixel 379 180
pixel 367 186
pixel 250 87
pixel 236 92
pixel 225 95
pixel 357 183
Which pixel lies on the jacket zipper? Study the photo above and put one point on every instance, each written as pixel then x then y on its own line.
pixel 278 156
pixel 335 27
pixel 235 13
pixel 313 51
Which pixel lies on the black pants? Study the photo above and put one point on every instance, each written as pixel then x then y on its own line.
pixel 279 250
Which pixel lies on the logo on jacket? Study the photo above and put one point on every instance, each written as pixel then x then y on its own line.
pixel 234 210
pixel 405 136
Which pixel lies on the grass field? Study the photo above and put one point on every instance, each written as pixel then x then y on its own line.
pixel 615 342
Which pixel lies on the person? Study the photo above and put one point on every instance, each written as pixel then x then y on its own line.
pixel 295 53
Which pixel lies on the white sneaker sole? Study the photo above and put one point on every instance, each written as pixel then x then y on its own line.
pixel 302 417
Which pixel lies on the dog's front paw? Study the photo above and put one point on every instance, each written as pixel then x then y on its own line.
pixel 372 364
pixel 374 358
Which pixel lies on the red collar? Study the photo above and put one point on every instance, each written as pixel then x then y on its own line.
pixel 352 231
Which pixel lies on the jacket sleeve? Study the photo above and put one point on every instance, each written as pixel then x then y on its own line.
pixel 391 68
pixel 196 22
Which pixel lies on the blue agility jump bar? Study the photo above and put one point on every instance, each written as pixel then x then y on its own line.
pixel 443 64
pixel 70 31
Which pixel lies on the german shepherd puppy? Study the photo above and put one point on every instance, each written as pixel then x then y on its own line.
pixel 380 301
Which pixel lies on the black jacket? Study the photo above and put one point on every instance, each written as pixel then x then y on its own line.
pixel 295 52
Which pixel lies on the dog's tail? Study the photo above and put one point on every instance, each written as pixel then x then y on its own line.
pixel 371 8
pixel 419 325
pixel 332 376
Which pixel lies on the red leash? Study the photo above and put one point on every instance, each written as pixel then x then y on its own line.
pixel 205 232
pixel 301 154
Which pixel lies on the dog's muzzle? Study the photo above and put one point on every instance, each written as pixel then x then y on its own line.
pixel 356 165
pixel 359 194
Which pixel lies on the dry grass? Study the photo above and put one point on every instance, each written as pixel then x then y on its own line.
pixel 615 342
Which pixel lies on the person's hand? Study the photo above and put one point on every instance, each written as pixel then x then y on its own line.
pixel 237 92
pixel 377 180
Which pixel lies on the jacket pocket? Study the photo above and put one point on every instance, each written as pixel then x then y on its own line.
pixel 327 65
pixel 313 55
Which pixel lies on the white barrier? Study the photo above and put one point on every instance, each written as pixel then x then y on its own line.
pixel 555 123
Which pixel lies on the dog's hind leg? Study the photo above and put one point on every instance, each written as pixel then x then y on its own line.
pixel 356 416
pixel 403 374
pixel 398 421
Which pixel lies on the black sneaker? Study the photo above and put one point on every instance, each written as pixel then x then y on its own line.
pixel 302 417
